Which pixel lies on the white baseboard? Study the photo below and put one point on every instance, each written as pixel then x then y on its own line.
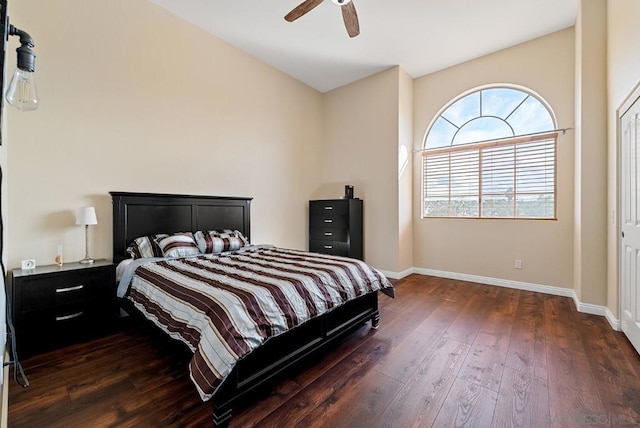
pixel 397 275
pixel 586 308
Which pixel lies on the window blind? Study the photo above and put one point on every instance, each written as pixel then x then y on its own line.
pixel 509 178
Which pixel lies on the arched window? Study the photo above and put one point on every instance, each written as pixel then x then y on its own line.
pixel 491 153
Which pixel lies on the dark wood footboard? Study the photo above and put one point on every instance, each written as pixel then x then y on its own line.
pixel 281 352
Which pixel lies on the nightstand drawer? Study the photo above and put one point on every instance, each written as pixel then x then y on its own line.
pixel 41 293
pixel 328 234
pixel 63 327
pixel 62 313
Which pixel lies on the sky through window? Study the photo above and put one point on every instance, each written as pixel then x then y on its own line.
pixel 489 114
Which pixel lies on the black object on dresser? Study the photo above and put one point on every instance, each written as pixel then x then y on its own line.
pixel 335 227
pixel 53 306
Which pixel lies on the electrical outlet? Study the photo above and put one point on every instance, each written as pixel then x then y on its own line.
pixel 518 264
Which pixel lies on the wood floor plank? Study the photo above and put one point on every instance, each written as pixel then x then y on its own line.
pixel 495 333
pixel 338 379
pixel 304 376
pixel 420 400
pixel 621 404
pixel 523 401
pixel 467 405
pixel 573 393
pixel 562 330
pixel 531 360
pixel 605 352
pixel 527 345
pixel 52 397
pixel 483 367
pixel 403 359
pixel 361 404
pixel 469 320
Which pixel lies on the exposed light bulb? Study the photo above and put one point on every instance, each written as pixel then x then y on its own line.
pixel 22 91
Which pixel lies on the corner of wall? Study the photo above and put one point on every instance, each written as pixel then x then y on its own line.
pixel 405 170
pixel 590 169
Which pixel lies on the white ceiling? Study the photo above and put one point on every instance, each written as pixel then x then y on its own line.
pixel 422 36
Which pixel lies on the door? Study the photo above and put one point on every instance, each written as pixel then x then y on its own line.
pixel 630 220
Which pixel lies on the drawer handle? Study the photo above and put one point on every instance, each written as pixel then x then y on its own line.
pixel 68 317
pixel 328 247
pixel 328 221
pixel 66 290
pixel 328 208
pixel 328 234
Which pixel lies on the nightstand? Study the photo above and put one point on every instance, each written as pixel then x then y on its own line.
pixel 54 306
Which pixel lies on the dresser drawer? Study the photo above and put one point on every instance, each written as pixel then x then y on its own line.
pixel 326 247
pixel 328 234
pixel 334 221
pixel 330 207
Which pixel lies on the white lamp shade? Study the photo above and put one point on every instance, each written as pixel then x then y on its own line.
pixel 86 216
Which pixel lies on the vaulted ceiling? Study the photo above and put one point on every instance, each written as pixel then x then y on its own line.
pixel 422 36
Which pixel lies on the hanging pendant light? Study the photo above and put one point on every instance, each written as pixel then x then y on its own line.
pixel 21 92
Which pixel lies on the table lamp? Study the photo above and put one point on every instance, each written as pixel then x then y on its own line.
pixel 86 216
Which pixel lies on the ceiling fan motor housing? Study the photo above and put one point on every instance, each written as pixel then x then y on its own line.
pixel 340 2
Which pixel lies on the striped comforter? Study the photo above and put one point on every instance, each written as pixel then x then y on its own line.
pixel 223 306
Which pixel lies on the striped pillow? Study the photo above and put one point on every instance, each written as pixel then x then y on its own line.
pixel 145 246
pixel 214 241
pixel 244 239
pixel 178 245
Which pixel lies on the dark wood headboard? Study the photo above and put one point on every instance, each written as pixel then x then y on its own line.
pixel 141 214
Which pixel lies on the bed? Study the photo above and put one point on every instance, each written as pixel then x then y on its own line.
pixel 143 214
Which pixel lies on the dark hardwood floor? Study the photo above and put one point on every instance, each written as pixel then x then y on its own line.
pixel 447 353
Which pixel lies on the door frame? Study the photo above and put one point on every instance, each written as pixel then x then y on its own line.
pixel 626 104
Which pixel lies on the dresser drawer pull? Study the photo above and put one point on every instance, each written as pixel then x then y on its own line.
pixel 69 317
pixel 66 290
pixel 328 208
pixel 328 247
pixel 328 221
pixel 328 234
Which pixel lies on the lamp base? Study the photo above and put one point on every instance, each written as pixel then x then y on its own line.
pixel 86 261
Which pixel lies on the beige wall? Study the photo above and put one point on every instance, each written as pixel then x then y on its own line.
pixel 135 99
pixel 361 148
pixel 489 247
pixel 623 66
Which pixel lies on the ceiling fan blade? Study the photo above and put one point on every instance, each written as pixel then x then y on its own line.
pixel 301 9
pixel 350 18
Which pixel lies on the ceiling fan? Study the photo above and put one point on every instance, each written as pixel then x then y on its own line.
pixel 349 14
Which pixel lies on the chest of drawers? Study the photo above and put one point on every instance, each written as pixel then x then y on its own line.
pixel 335 227
pixel 54 306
